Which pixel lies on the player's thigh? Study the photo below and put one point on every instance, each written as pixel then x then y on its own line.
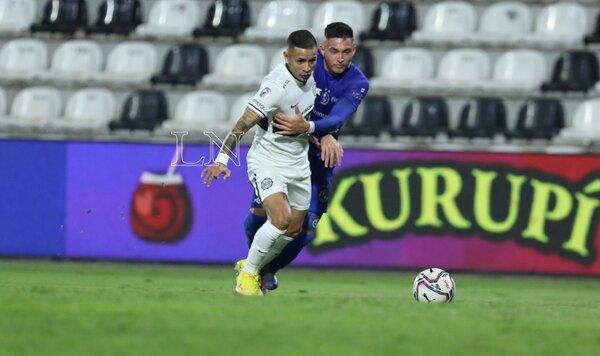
pixel 278 210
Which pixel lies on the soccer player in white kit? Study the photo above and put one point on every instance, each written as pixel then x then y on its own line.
pixel 278 166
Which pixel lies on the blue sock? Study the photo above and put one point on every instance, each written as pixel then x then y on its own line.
pixel 251 225
pixel 292 250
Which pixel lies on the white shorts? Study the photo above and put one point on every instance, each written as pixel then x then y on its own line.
pixel 294 183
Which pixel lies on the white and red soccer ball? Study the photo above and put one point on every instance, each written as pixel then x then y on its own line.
pixel 434 285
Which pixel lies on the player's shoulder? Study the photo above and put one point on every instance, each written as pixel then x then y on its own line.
pixel 279 75
pixel 356 76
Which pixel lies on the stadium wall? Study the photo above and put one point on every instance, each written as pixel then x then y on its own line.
pixel 507 212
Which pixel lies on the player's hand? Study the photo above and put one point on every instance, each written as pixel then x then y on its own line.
pixel 331 151
pixel 291 125
pixel 213 172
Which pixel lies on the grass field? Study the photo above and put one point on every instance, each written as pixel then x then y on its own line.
pixel 77 308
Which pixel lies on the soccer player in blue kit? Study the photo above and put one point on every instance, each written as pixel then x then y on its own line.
pixel 341 86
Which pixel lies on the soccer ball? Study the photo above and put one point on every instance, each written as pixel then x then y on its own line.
pixel 434 285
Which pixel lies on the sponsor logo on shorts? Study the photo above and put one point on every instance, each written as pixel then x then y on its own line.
pixel 266 183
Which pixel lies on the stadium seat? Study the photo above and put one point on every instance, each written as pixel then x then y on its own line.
pixel 171 18
pixel 424 116
pixel 33 107
pixel 539 118
pixel 89 108
pixel 129 62
pixel 594 37
pixel 225 18
pixel 363 59
pixel 63 16
pixel 276 58
pixel 391 21
pixel 504 23
pixel 461 69
pixel 23 58
pixel 117 16
pixel 3 102
pixel 238 65
pixel 202 110
pixel 78 60
pixel 183 64
pixel 574 71
pixel 238 107
pixel 16 16
pixel 143 110
pixel 404 68
pixel 447 21
pixel 278 18
pixel 481 117
pixel 561 23
pixel 520 69
pixel 373 117
pixel 349 11
pixel 586 123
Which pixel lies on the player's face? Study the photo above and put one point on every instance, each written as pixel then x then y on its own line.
pixel 337 54
pixel 301 62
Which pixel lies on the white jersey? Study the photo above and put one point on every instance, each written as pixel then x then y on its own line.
pixel 281 92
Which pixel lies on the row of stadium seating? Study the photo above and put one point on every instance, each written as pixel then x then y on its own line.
pixel 503 22
pixel 41 108
pixel 409 68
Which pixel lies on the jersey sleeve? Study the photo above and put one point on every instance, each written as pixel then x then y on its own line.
pixel 267 98
pixel 356 92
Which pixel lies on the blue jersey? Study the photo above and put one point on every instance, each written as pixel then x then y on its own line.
pixel 337 98
pixel 344 92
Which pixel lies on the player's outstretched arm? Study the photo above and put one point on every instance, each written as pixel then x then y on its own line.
pixel 214 171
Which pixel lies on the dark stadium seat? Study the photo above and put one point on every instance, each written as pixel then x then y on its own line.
pixel 373 117
pixel 424 116
pixel 574 71
pixel 481 117
pixel 183 64
pixel 225 18
pixel 363 59
pixel 117 16
pixel 539 119
pixel 392 21
pixel 143 110
pixel 62 16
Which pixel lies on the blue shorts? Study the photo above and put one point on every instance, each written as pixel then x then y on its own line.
pixel 320 178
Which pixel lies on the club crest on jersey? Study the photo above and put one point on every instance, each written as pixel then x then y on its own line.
pixel 265 92
pixel 266 183
pixel 325 97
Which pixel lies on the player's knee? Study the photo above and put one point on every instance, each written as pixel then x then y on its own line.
pixel 259 212
pixel 280 220
pixel 293 232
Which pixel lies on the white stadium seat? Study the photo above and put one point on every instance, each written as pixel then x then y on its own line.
pixel 17 15
pixel 448 21
pixel 348 11
pixel 520 69
pixel 201 110
pixel 78 60
pixel 236 111
pixel 278 18
pixel 238 65
pixel 586 123
pixel 89 108
pixel 171 18
pixel 3 102
pixel 504 22
pixel 34 107
pixel 562 23
pixel 461 69
pixel 23 58
pixel 130 62
pixel 404 68
pixel 277 58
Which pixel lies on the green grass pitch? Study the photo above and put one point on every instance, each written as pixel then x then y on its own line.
pixel 82 308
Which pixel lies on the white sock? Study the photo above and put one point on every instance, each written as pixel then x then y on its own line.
pixel 261 246
pixel 277 247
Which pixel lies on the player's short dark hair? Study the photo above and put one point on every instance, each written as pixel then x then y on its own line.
pixel 301 39
pixel 338 30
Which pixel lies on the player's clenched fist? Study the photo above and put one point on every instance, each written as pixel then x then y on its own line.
pixel 213 172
